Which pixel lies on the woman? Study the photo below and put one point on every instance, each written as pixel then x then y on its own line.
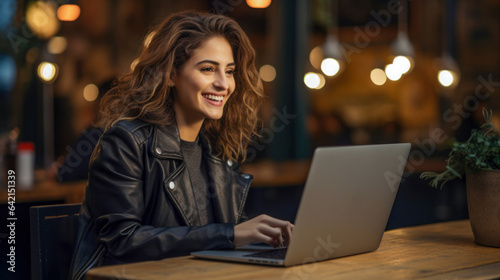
pixel 163 179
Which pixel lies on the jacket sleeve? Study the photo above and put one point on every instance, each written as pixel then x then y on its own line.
pixel 115 200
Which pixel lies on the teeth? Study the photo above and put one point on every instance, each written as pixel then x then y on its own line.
pixel 214 97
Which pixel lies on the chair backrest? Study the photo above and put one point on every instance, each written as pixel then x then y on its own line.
pixel 53 231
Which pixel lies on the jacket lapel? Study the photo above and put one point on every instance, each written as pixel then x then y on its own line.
pixel 228 188
pixel 166 146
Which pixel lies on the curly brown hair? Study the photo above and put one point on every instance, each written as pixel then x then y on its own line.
pixel 144 93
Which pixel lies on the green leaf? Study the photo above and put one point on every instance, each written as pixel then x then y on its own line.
pixel 454 172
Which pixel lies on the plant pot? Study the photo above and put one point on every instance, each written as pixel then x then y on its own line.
pixel 483 200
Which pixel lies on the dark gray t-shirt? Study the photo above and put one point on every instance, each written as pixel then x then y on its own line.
pixel 193 156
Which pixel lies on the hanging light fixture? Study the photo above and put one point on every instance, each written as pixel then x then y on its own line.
pixel 448 74
pixel 333 57
pixel 258 4
pixel 402 48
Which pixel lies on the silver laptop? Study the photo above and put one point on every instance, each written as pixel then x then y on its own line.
pixel 344 208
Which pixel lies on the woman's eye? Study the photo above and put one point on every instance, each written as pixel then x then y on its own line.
pixel 230 72
pixel 207 69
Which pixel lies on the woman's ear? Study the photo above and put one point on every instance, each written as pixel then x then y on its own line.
pixel 171 80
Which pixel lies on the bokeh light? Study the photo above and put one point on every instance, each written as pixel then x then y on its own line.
pixel 57 45
pixel 402 63
pixel 47 71
pixel 314 80
pixel 68 12
pixel 267 73
pixel 330 66
pixel 7 73
pixel 378 77
pixel 90 92
pixel 392 72
pixel 316 56
pixel 41 19
pixel 445 78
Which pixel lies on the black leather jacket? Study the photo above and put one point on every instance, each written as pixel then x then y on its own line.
pixel 139 203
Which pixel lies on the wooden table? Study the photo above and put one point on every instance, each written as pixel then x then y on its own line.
pixel 71 192
pixel 435 251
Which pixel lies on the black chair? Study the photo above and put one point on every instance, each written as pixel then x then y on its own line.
pixel 53 231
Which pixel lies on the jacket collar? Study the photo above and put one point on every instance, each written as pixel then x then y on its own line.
pixel 166 143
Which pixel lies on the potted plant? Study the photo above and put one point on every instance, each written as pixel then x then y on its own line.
pixel 478 159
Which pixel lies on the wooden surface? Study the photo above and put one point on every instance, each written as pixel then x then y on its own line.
pixel 72 192
pixel 436 251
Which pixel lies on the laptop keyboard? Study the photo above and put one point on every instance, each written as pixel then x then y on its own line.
pixel 271 254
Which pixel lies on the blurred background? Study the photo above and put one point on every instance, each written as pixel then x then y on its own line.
pixel 337 72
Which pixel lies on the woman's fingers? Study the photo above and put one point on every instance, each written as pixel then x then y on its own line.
pixel 285 228
pixel 272 232
pixel 266 229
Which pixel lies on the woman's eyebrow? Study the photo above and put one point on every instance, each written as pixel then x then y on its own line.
pixel 214 62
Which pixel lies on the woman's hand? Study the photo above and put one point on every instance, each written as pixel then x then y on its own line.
pixel 263 229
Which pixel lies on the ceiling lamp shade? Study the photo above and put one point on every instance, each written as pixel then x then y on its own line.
pixel 402 45
pixel 448 74
pixel 403 51
pixel 68 12
pixel 258 4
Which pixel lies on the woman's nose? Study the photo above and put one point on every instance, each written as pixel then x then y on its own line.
pixel 220 81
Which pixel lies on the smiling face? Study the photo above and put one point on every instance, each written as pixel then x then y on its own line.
pixel 204 83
